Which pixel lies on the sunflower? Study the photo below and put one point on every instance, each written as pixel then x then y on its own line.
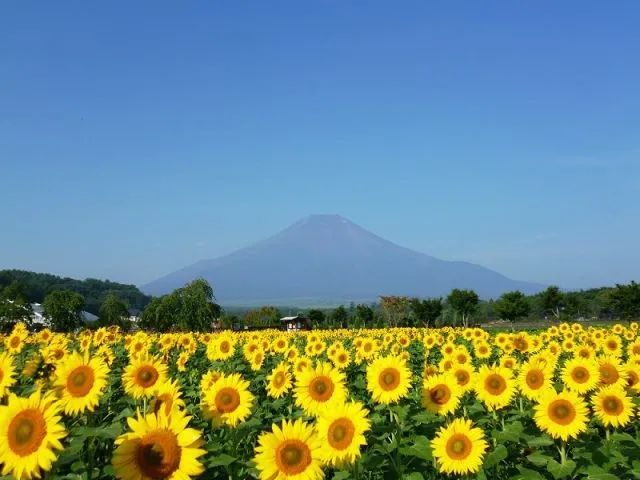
pixel 279 381
pixel 158 447
pixel 441 394
pixel 612 406
pixel 341 431
pixel 7 372
pixel 319 387
pixel 30 431
pixel 341 359
pixel 167 397
pixel 291 451
pixel 535 379
pixel 229 400
pixel 141 376
pixel 495 386
pixel 459 447
pixel 15 342
pixel 464 376
pixel 580 375
pixel 388 379
pixel 80 381
pixel 612 372
pixel 562 415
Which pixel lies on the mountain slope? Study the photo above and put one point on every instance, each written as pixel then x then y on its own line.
pixel 328 258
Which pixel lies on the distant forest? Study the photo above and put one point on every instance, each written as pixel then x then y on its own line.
pixel 36 286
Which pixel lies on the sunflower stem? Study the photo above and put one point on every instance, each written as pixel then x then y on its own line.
pixel 563 452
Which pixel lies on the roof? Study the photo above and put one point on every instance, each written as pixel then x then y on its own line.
pixel 289 319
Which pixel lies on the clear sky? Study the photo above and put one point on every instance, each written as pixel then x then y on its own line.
pixel 138 137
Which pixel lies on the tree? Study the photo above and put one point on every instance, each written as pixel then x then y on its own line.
pixel 463 303
pixel 339 316
pixel 114 311
pixel 317 317
pixel 426 312
pixel 552 301
pixel 14 307
pixel 395 309
pixel 266 316
pixel 625 300
pixel 364 315
pixel 512 306
pixel 63 308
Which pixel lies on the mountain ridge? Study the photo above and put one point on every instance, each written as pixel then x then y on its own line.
pixel 327 257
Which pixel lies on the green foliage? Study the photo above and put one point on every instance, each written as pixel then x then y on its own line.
pixel 512 306
pixel 63 309
pixel 36 286
pixel 625 300
pixel 114 311
pixel 552 300
pixel 317 317
pixel 267 316
pixel 426 312
pixel 464 303
pixel 339 317
pixel 191 307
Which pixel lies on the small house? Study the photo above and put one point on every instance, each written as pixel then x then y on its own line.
pixel 296 322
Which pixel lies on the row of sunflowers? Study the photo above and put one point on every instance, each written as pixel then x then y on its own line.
pixel 343 404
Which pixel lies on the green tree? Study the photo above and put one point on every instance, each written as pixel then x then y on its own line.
pixel 395 309
pixel 316 317
pixel 14 307
pixel 426 312
pixel 512 306
pixel 265 316
pixel 625 300
pixel 114 311
pixel 63 309
pixel 464 303
pixel 340 317
pixel 364 316
pixel 552 299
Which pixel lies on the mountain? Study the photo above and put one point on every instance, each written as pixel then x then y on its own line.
pixel 328 259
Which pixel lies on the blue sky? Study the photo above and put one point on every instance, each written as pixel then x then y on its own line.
pixel 138 137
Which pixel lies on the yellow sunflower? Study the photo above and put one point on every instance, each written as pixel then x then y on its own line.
pixel 441 394
pixel 30 431
pixel 535 379
pixel 612 372
pixel 388 379
pixel 290 452
pixel 459 447
pixel 341 431
pixel 142 375
pixel 279 381
pixel 167 396
pixel 580 375
pixel 495 386
pixel 464 376
pixel 612 406
pixel 7 372
pixel 80 381
pixel 319 387
pixel 562 415
pixel 158 447
pixel 229 400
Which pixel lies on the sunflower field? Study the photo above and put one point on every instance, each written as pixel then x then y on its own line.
pixel 344 404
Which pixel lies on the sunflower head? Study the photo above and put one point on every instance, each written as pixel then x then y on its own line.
pixel 388 379
pixel 459 448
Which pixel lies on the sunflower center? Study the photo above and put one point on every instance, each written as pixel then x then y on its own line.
pixel 158 454
pixel 580 374
pixel 458 447
pixel 367 347
pixel 147 376
pixel 612 405
pixel 26 432
pixel 389 379
pixel 80 381
pixel 341 433
pixel 440 394
pixel 278 380
pixel 15 342
pixel 535 379
pixel 224 347
pixel 612 345
pixel 321 388
pixel 462 377
pixel 342 358
pixel 227 400
pixel 495 384
pixel 608 374
pixel 293 457
pixel 562 412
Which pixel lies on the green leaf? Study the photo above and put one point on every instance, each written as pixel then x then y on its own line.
pixel 412 476
pixel 496 456
pixel 539 441
pixel 511 433
pixel 221 460
pixel 526 474
pixel 421 448
pixel 538 459
pixel 341 475
pixel 559 470
pixel 602 476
